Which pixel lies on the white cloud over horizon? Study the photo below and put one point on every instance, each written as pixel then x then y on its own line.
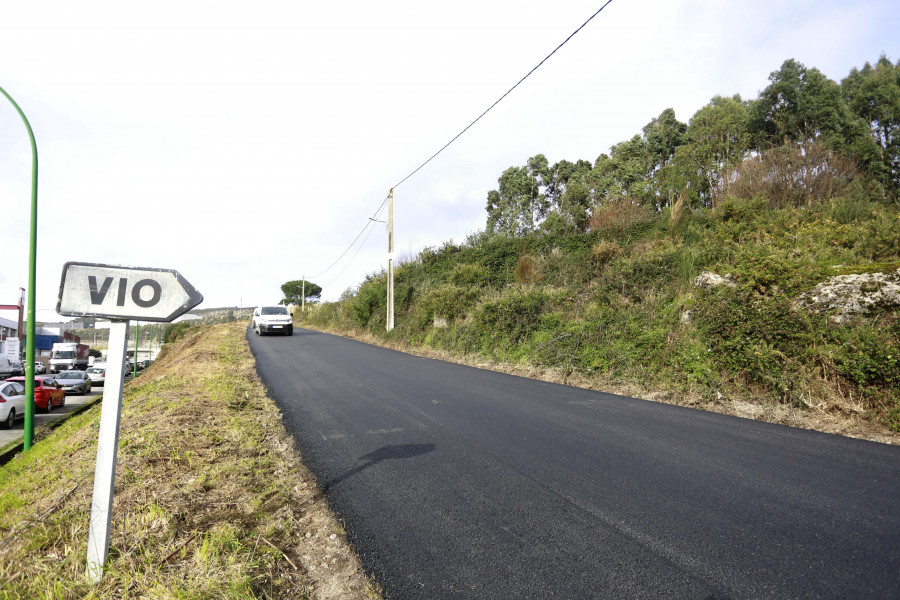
pixel 246 144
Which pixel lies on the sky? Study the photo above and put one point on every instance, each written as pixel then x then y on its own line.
pixel 246 144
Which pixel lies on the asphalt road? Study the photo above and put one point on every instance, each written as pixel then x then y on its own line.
pixel 455 482
pixel 73 403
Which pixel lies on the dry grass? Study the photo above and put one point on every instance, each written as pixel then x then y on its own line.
pixel 679 210
pixel 528 269
pixel 793 175
pixel 211 500
pixel 605 251
pixel 619 215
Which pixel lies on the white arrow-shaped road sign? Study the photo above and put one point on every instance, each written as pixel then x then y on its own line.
pixel 126 293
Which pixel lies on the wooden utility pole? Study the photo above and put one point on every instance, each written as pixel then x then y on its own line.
pixel 303 295
pixel 390 282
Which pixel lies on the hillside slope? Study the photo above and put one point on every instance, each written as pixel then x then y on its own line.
pixel 623 308
pixel 211 499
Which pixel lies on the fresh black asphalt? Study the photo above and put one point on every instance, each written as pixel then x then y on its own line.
pixel 454 482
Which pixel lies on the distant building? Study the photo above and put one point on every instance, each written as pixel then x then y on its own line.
pixel 44 337
pixel 8 328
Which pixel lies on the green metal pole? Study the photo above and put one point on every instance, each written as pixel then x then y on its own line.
pixel 137 340
pixel 32 278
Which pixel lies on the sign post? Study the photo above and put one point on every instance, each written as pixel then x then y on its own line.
pixel 107 447
pixel 120 294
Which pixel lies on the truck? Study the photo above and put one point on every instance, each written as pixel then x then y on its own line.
pixel 68 355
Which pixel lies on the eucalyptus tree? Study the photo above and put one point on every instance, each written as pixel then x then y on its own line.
pixel 716 141
pixel 662 136
pixel 569 193
pixel 873 93
pixel 520 202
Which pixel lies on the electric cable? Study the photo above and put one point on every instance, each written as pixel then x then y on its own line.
pixel 367 225
pixel 341 272
pixel 447 145
pixel 433 156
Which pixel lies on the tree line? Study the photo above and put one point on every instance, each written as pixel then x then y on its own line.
pixel 804 137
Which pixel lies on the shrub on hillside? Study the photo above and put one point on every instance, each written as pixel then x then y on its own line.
pixel 528 269
pixel 469 275
pixel 511 317
pixel 754 337
pixel 449 301
pixel 619 216
pixel 370 301
pixel 176 331
pixel 794 175
pixel 605 251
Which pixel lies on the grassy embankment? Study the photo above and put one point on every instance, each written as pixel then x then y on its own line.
pixel 616 309
pixel 211 500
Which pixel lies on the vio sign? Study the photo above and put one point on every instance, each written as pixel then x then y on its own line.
pixel 120 294
pixel 124 293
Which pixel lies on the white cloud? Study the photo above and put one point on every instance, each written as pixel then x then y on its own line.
pixel 246 144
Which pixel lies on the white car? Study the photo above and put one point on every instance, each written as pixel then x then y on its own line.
pixel 97 375
pixel 12 403
pixel 272 319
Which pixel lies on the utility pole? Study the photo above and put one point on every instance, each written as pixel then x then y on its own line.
pixel 390 282
pixel 19 331
pixel 303 295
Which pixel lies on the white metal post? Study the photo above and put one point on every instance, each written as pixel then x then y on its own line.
pixel 107 446
pixel 390 283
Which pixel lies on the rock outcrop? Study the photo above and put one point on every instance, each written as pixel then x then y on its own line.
pixel 864 294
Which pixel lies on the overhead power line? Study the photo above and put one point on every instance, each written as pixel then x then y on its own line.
pixel 433 156
pixel 371 220
pixel 363 243
pixel 368 224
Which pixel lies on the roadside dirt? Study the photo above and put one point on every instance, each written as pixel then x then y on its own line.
pixel 212 499
pixel 293 516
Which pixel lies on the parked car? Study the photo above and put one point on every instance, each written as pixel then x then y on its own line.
pixel 39 367
pixel 74 382
pixel 6 367
pixel 97 375
pixel 12 403
pixel 272 319
pixel 18 367
pixel 47 392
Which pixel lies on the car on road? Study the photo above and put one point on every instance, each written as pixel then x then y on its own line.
pixel 12 403
pixel 6 368
pixel 74 382
pixel 272 319
pixel 97 375
pixel 47 392
pixel 39 367
pixel 18 367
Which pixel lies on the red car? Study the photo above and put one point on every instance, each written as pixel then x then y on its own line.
pixel 47 392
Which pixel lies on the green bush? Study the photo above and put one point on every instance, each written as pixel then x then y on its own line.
pixel 512 317
pixel 369 302
pixel 757 338
pixel 469 275
pixel 176 331
pixel 449 301
pixel 869 356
